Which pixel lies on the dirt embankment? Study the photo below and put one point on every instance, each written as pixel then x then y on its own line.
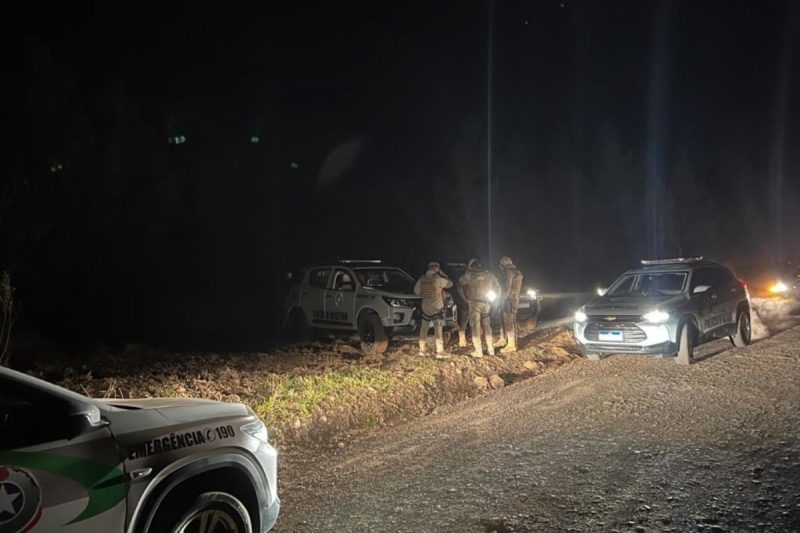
pixel 315 393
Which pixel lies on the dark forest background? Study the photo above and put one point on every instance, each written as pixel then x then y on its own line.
pixel 620 131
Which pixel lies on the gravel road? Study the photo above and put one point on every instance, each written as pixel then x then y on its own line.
pixel 628 444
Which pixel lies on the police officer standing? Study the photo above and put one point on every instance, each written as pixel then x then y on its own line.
pixel 480 289
pixel 511 282
pixel 430 287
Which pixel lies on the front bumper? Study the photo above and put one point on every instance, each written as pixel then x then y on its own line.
pixel 665 349
pixel 596 336
pixel 269 515
pixel 267 457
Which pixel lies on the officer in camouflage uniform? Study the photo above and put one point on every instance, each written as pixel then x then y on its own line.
pixel 480 288
pixel 511 283
pixel 430 287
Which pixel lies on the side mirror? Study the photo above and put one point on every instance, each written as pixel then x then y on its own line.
pixel 701 289
pixel 84 420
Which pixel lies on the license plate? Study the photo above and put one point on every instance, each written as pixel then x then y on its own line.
pixel 610 336
pixel 524 305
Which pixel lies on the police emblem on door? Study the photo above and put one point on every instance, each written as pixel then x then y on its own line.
pixel 20 500
pixel 338 299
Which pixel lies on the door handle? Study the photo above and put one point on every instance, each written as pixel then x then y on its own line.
pixel 139 474
pixel 713 296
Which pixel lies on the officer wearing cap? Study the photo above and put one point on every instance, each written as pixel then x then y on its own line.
pixel 480 289
pixel 511 283
pixel 430 286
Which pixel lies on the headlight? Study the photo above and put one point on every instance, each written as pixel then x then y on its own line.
pixel 600 291
pixel 779 288
pixel 532 294
pixel 258 430
pixel 398 302
pixel 656 316
pixel 580 316
pixel 491 296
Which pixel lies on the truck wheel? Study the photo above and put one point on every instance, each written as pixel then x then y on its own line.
pixel 685 345
pixel 214 512
pixel 743 331
pixel 297 327
pixel 372 333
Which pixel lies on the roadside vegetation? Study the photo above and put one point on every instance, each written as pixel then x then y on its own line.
pixel 315 393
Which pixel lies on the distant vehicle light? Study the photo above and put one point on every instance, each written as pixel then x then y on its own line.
pixel 601 291
pixel 656 316
pixel 491 296
pixel 779 288
pixel 532 293
pixel 580 316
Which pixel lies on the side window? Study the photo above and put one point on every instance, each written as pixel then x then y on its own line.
pixel 343 281
pixel 29 417
pixel 319 278
pixel 725 278
pixel 704 276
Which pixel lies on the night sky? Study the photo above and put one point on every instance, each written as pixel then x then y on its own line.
pixel 619 130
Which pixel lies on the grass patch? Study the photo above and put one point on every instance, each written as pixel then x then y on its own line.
pixel 284 398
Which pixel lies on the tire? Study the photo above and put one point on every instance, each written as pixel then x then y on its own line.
pixel 686 345
pixel 744 332
pixel 297 328
pixel 372 333
pixel 212 512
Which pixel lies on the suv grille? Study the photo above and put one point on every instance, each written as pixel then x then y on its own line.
pixel 630 331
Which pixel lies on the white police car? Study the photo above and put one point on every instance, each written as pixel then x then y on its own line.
pixel 666 308
pixel 367 297
pixel 73 464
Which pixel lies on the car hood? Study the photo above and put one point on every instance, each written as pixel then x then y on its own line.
pixel 128 416
pixel 391 294
pixel 631 305
pixel 155 403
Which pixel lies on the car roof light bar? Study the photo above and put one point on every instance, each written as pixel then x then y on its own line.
pixel 370 261
pixel 674 261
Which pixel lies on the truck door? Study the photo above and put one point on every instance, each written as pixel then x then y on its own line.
pixel 314 295
pixel 340 300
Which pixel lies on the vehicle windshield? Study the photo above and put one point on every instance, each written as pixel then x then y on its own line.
pixel 650 284
pixel 387 279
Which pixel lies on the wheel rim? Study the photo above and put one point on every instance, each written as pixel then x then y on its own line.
pixel 368 335
pixel 746 327
pixel 210 521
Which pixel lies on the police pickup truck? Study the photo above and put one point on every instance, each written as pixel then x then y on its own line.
pixel 366 297
pixel 157 465
pixel 666 308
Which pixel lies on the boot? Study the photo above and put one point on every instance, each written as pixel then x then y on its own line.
pixel 511 346
pixel 462 338
pixel 439 346
pixel 501 341
pixel 489 344
pixel 476 342
pixel 423 347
